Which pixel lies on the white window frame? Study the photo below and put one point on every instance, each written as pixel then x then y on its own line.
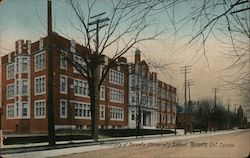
pixel 17 64
pixel 10 74
pixel 27 92
pixel 7 111
pixel 116 77
pixel 82 106
pixel 66 108
pixel 79 88
pixel 40 67
pixel 63 61
pixel 40 93
pixel 13 90
pixel 116 95
pixel 80 61
pixel 116 113
pixel 25 64
pixel 66 84
pixel 35 104
pixel 17 86
pixel 102 92
pixel 168 118
pixel 17 110
pixel 102 109
pixel 28 110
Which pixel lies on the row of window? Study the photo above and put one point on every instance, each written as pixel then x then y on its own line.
pixel 20 61
pixel 149 101
pixel 166 94
pixel 164 106
pixel 82 110
pixel 22 110
pixel 21 87
pixel 17 110
pixel 116 113
pixel 168 118
pixel 80 87
pixel 116 95
pixel 116 77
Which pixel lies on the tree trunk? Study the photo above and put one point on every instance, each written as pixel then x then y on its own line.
pixel 94 97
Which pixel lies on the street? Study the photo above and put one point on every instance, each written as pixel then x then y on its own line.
pixel 233 145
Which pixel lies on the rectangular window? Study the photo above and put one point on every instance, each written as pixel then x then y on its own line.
pixel 63 108
pixel 81 88
pixel 24 64
pixel 82 110
pixel 40 61
pixel 78 61
pixel 10 111
pixel 163 93
pixel 40 85
pixel 116 77
pixel 10 91
pixel 63 60
pixel 102 93
pixel 101 70
pixel 163 106
pixel 10 71
pixel 116 95
pixel 63 84
pixel 17 109
pixel 173 118
pixel 168 107
pixel 116 113
pixel 17 87
pixel 102 112
pixel 168 118
pixel 25 110
pixel 40 109
pixel 24 87
pixel 17 64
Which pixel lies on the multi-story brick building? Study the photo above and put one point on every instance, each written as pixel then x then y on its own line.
pixel 25 89
pixel 24 96
pixel 152 103
pixel 166 101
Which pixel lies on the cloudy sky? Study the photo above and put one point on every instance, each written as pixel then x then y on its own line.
pixel 26 19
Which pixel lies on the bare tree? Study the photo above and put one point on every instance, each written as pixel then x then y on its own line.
pixel 126 26
pixel 228 22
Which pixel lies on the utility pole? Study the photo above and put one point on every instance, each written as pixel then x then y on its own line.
pixel 215 108
pixel 185 70
pixel 215 98
pixel 96 60
pixel 50 100
pixel 190 83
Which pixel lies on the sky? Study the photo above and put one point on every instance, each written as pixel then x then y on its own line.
pixel 26 19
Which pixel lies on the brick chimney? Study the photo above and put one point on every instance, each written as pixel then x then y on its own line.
pixel 137 56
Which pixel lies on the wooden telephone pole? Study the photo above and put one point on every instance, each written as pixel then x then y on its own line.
pixel 50 97
pixel 96 61
pixel 185 70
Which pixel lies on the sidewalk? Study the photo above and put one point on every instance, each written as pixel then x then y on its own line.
pixel 179 132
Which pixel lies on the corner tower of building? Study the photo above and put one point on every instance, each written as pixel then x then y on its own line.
pixel 137 55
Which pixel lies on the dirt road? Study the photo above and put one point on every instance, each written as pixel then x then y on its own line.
pixel 226 145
